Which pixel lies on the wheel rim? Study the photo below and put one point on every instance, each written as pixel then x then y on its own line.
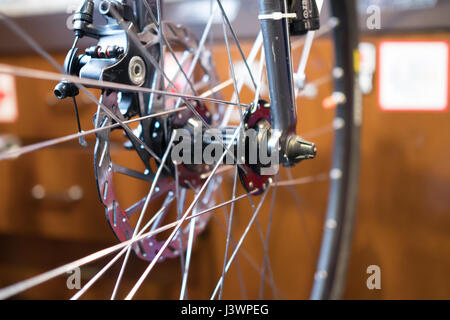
pixel 349 172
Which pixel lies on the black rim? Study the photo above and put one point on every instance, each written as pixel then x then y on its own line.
pixel 329 280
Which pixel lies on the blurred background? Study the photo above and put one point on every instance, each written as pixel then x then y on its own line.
pixel 50 213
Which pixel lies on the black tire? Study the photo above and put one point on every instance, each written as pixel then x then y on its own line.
pixel 330 277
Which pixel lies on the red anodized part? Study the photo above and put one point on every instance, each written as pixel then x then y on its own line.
pixel 251 179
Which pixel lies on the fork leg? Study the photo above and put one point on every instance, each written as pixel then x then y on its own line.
pixel 279 67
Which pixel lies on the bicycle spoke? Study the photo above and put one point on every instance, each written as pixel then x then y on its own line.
pixel 52 76
pixel 161 47
pixel 236 96
pixel 188 259
pixel 306 51
pixel 238 265
pixel 338 123
pixel 30 41
pixel 323 31
pixel 305 180
pixel 24 285
pixel 15 28
pixel 144 209
pixel 230 62
pixel 227 21
pixel 316 83
pixel 135 39
pixel 251 57
pixel 97 276
pixel 298 205
pixel 265 253
pixel 150 58
pixel 260 74
pixel 241 240
pixel 266 243
pixel 178 226
pixel 233 76
pixel 200 47
pixel 167 44
pixel 181 198
pixel 182 88
pixel 52 142
pixel 217 88
pixel 229 228
pixel 244 253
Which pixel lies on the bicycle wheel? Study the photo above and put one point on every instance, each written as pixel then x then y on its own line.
pixel 158 78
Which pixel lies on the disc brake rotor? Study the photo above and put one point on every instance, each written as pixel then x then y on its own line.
pixel 155 133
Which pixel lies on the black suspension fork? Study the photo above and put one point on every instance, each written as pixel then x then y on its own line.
pixel 277 49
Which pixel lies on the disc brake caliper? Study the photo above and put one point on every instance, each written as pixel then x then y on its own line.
pixel 117 58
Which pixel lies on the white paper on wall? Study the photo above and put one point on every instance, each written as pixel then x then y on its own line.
pixel 413 75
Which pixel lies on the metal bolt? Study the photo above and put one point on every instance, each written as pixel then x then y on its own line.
pixel 137 70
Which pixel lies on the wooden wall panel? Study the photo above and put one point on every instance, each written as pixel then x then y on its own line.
pixel 403 215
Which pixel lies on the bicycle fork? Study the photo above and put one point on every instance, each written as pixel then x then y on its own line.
pixel 274 18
